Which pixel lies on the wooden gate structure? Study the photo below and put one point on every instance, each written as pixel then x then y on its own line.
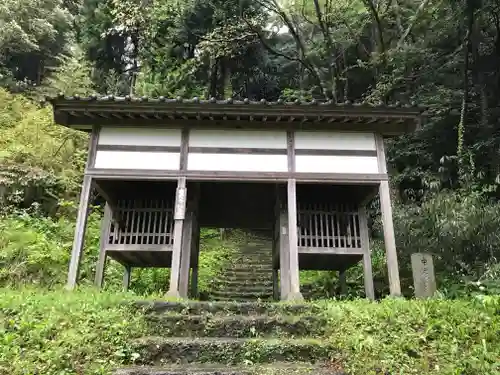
pixel 303 171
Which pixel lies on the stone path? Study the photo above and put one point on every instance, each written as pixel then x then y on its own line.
pixel 249 276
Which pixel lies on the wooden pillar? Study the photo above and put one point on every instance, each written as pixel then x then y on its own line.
pixel 388 225
pixel 276 294
pixel 186 254
pixel 194 283
pixel 179 216
pixel 189 237
pixel 126 278
pixel 101 262
pixel 79 236
pixel 343 282
pixel 293 248
pixel 367 259
pixel 284 256
pixel 83 210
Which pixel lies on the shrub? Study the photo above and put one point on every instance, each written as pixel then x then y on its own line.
pixel 460 231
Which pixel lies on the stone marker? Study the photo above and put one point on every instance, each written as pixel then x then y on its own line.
pixel 424 279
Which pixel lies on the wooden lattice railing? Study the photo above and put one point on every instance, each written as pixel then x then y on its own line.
pixel 143 222
pixel 328 226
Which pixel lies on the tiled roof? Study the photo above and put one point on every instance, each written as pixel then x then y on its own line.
pixel 84 112
pixel 262 102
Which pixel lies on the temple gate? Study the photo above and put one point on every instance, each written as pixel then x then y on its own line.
pixel 302 171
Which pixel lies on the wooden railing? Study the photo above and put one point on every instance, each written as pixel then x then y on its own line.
pixel 143 222
pixel 334 226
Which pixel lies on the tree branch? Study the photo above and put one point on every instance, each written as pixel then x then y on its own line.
pixel 373 10
pixel 413 22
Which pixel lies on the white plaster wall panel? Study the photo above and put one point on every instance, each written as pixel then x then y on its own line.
pixel 235 138
pixel 313 140
pixel 336 164
pixel 237 162
pixel 136 136
pixel 137 160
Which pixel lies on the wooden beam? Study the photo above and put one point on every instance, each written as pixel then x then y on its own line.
pixel 101 262
pixel 393 127
pixel 367 258
pixel 113 205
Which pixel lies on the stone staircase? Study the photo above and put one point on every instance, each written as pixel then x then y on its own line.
pixel 230 338
pixel 249 275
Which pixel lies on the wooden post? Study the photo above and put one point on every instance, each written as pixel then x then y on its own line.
pixel 101 262
pixel 186 254
pixel 284 256
pixel 294 293
pixel 343 282
pixel 83 210
pixel 126 278
pixel 79 236
pixel 367 259
pixel 424 278
pixel 388 225
pixel 276 294
pixel 194 283
pixel 179 216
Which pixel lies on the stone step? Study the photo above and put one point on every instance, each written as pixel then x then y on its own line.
pixel 255 251
pixel 230 351
pixel 238 308
pixel 237 283
pixel 242 276
pixel 242 295
pixel 179 325
pixel 247 288
pixel 242 270
pixel 256 264
pixel 243 299
pixel 250 369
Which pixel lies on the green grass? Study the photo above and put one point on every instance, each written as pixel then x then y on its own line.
pixel 87 332
pixel 417 337
pixel 59 332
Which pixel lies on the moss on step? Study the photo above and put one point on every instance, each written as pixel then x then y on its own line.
pixel 230 351
pixel 216 369
pixel 242 294
pixel 233 325
pixel 242 308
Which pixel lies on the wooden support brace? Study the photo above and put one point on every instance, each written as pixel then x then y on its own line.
pixel 115 211
pixel 126 278
pixel 367 259
pixel 186 255
pixel 79 236
pixel 101 262
pixel 343 282
pixel 388 225
pixel 275 285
